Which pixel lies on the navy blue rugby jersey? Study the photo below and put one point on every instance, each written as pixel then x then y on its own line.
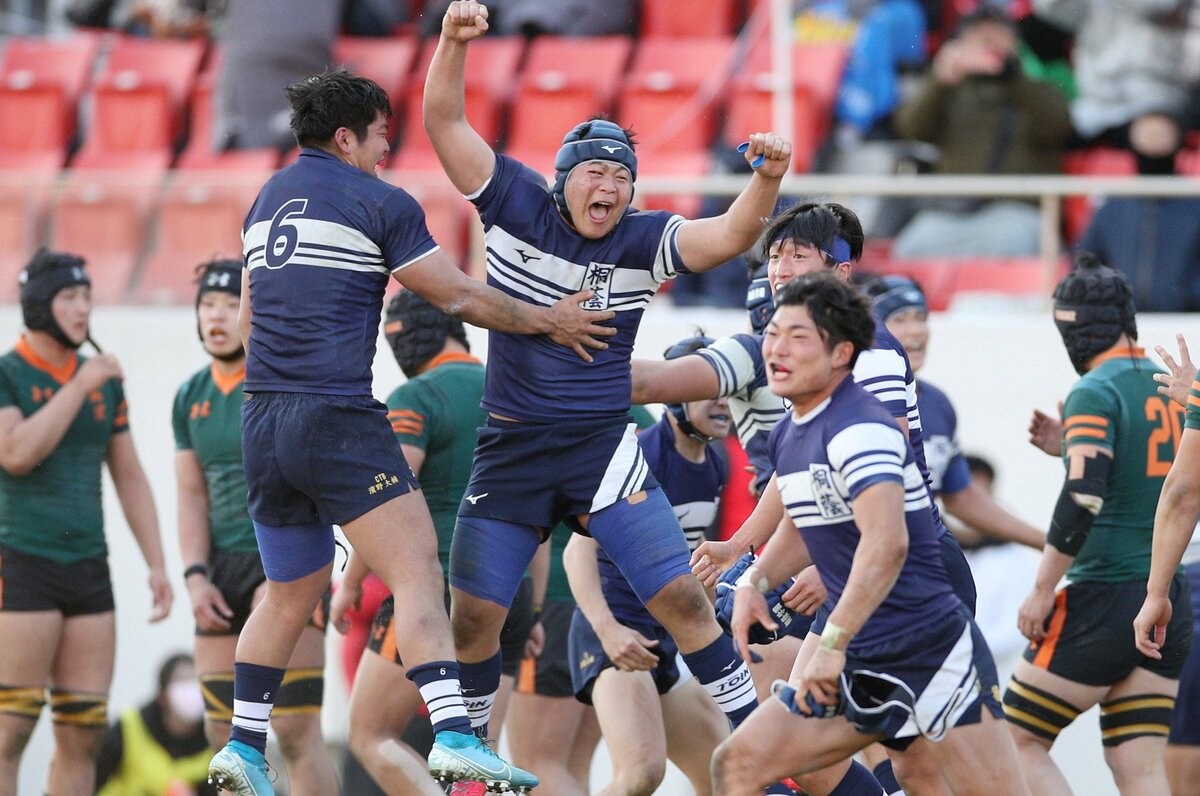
pixel 535 256
pixel 824 461
pixel 320 242
pixel 694 492
pixel 948 473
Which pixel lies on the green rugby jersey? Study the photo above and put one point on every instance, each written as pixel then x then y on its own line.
pixel 56 510
pixel 1116 407
pixel 558 588
pixel 207 419
pixel 438 412
pixel 1193 407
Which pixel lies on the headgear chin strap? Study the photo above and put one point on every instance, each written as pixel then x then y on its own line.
pixel 597 139
pixel 684 347
pixel 417 331
pixel 1093 307
pixel 759 302
pixel 893 294
pixel 220 276
pixel 47 274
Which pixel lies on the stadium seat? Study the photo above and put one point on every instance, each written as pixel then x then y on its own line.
pixel 139 98
pixel 936 277
pixel 695 19
pixel 200 217
pixel 40 84
pixel 200 152
pixel 565 81
pixel 447 214
pixel 670 95
pixel 491 72
pixel 22 204
pixel 1100 161
pixel 675 164
pixel 102 216
pixel 1023 276
pixel 386 60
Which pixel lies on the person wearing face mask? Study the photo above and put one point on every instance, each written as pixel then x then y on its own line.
pixel 63 417
pixel 986 117
pixel 159 749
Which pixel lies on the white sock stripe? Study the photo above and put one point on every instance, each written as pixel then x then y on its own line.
pixel 734 691
pixel 449 712
pixel 260 711
pixel 441 688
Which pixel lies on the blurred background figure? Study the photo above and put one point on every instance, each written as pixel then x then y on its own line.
pixel 159 749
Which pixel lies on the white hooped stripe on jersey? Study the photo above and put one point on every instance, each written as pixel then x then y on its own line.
pixel 625 474
pixel 737 368
pixel 698 514
pixel 321 243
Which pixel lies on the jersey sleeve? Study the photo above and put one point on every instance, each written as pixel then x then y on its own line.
pixel 737 360
pixel 884 373
pixel 1088 419
pixel 1193 406
pixel 668 263
pixel 411 413
pixel 511 187
pixel 179 421
pixel 406 239
pixel 8 391
pixel 866 454
pixel 121 414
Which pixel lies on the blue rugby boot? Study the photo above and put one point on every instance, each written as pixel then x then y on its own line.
pixel 456 756
pixel 241 770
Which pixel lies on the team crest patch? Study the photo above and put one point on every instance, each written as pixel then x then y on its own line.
pixel 598 279
pixel 825 493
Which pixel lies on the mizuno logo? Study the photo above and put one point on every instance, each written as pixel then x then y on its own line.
pixel 475 498
pixel 730 666
pixel 527 257
pixel 611 149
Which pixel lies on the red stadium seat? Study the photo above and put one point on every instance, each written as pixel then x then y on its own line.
pixel 200 218
pixel 200 152
pixel 447 214
pixel 670 95
pixel 1100 161
pixel 565 81
pixel 675 164
pixel 695 19
pixel 491 73
pixel 140 96
pixel 102 216
pixel 385 60
pixel 22 203
pixel 935 276
pixel 1023 276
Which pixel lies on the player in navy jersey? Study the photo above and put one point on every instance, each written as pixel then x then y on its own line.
pixel 899 656
pixel 623 661
pixel 319 243
pixel 559 443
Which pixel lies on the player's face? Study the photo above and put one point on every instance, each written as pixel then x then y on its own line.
pixel 72 309
pixel 369 153
pixel 800 366
pixel 710 417
pixel 217 317
pixel 911 328
pixel 788 259
pixel 597 193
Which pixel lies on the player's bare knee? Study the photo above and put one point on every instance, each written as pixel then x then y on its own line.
pixel 642 778
pixel 77 743
pixel 683 601
pixel 14 737
pixel 732 762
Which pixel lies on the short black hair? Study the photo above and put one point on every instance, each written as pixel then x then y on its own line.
pixel 840 312
pixel 978 465
pixel 814 224
pixel 335 98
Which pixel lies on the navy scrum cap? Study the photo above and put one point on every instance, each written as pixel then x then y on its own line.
pixel 893 294
pixel 596 139
pixel 759 302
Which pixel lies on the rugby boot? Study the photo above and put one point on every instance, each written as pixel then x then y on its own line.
pixel 241 770
pixel 456 757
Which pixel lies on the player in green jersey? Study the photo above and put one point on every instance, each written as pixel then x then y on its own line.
pixel 62 418
pixel 434 416
pixel 224 573
pixel 1118 441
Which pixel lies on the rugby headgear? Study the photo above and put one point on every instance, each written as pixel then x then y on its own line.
pixel 221 276
pixel 759 302
pixel 48 273
pixel 1093 306
pixel 595 139
pixel 417 331
pixel 684 347
pixel 893 294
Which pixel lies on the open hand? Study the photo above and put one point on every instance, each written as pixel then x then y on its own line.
pixel 576 327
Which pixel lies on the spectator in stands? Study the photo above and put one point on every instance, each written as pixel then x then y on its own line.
pixel 987 117
pixel 268 44
pixel 159 748
pixel 531 18
pixel 1155 242
pixel 1132 89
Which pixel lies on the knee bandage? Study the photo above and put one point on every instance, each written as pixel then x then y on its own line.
pixel 1037 711
pixel 302 692
pixel 218 696
pixel 1136 716
pixel 78 708
pixel 26 701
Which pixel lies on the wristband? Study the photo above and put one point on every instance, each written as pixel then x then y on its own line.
pixel 195 569
pixel 833 636
pixel 753 579
pixel 537 612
